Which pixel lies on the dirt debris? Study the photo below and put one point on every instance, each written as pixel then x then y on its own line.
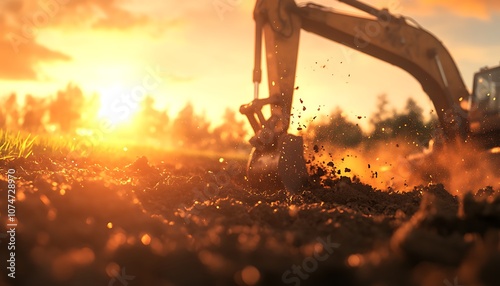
pixel 198 223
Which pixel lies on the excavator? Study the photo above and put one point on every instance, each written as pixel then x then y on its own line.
pixel 277 157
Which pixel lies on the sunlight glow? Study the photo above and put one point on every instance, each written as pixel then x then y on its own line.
pixel 113 106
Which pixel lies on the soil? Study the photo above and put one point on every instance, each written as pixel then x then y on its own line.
pixel 195 221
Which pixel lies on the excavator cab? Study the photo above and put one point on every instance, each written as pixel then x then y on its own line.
pixel 484 113
pixel 486 92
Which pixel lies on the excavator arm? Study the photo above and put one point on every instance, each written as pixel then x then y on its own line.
pixel 395 41
pixel 382 35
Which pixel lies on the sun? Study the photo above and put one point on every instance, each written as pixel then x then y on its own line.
pixel 116 106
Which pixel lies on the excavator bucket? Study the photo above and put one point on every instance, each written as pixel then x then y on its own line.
pixel 279 167
pixel 277 158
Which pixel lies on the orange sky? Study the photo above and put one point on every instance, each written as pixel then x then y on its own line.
pixel 206 56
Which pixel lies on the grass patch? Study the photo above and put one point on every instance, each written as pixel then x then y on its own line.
pixel 15 145
pixel 18 144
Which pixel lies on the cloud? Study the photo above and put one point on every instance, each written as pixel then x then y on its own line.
pixel 100 14
pixel 177 78
pixel 22 20
pixel 20 54
pixel 105 14
pixel 482 9
pixel 120 19
pixel 23 66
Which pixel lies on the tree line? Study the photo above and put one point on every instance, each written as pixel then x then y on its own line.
pixel 70 110
pixel 407 125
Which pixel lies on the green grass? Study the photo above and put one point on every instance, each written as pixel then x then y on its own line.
pixel 15 145
pixel 19 144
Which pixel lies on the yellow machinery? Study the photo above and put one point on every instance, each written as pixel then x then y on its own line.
pixel 277 157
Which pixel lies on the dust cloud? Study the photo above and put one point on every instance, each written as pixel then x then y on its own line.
pixel 401 166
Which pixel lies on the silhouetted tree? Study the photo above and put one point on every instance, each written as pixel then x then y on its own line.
pixel 3 113
pixel 151 122
pixel 339 131
pixel 89 116
pixel 11 111
pixel 3 119
pixel 408 125
pixel 382 112
pixel 190 129
pixel 34 111
pixel 231 133
pixel 65 110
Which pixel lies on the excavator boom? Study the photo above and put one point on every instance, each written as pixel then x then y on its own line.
pixel 393 39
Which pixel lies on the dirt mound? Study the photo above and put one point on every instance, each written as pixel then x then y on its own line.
pixel 194 221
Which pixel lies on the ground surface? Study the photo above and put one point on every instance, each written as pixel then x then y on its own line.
pixel 193 221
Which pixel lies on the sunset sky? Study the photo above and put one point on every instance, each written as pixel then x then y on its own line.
pixel 205 55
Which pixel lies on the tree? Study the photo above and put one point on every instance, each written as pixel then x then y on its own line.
pixel 190 129
pixel 34 111
pixel 151 122
pixel 11 112
pixel 338 131
pixel 408 125
pixel 89 116
pixel 231 133
pixel 381 112
pixel 65 110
